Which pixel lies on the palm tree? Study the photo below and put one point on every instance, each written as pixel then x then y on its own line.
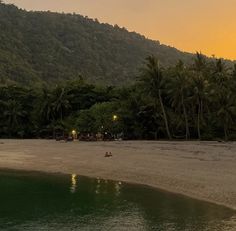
pixel 222 88
pixel 234 71
pixel 61 102
pixel 227 110
pixel 199 88
pixel 46 106
pixel 153 81
pixel 233 78
pixel 199 62
pixel 13 113
pixel 220 74
pixel 178 90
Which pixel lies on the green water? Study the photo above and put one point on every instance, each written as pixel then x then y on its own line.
pixel 30 201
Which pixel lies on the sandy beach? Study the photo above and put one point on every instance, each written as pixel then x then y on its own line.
pixel 201 170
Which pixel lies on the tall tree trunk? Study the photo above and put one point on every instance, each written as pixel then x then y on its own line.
pixel 155 135
pixel 226 132
pixel 61 115
pixel 156 116
pixel 187 133
pixel 199 121
pixel 53 133
pixel 164 115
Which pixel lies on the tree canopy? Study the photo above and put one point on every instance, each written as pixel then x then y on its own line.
pixel 195 101
pixel 46 47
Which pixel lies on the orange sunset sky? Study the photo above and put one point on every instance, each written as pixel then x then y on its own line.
pixel 189 25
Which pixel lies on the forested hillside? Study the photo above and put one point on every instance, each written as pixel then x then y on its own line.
pixel 38 47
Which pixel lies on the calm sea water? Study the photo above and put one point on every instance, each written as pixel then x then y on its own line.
pixel 30 201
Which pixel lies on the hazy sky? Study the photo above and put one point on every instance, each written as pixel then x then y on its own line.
pixel 190 25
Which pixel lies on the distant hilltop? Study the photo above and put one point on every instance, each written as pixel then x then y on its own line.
pixel 48 47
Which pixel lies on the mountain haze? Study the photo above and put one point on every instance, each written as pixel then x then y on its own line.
pixel 52 47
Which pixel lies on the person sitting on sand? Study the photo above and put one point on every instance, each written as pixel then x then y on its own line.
pixel 108 154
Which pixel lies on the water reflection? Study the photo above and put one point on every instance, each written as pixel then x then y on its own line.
pixel 98 186
pixel 73 183
pixel 106 187
pixel 118 188
pixel 43 202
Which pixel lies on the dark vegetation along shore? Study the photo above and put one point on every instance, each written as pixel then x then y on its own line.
pixel 180 102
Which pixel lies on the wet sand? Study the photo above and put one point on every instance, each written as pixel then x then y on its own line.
pixel 201 170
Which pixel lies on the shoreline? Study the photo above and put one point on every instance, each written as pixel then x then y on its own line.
pixel 200 170
pixel 153 187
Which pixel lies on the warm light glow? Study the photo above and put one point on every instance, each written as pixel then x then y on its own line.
pixel 98 186
pixel 118 188
pixel 115 117
pixel 190 25
pixel 73 183
pixel 73 132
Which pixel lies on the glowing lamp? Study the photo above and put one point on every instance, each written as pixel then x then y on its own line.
pixel 115 117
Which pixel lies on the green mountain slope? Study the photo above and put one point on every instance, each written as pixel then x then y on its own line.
pixel 51 47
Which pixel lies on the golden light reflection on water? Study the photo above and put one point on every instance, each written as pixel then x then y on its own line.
pixel 118 188
pixel 73 183
pixel 98 186
pixel 102 187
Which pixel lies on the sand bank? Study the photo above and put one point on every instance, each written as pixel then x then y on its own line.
pixel 202 170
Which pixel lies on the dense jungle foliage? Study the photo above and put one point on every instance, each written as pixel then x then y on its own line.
pixel 196 101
